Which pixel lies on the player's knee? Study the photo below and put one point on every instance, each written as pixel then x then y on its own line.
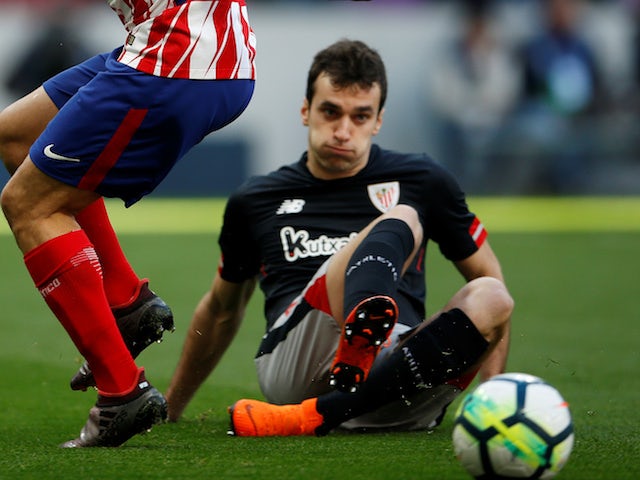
pixel 502 302
pixel 408 215
pixel 489 303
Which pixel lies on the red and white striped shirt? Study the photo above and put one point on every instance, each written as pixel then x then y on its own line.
pixel 197 39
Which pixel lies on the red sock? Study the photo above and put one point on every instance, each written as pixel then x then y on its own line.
pixel 67 272
pixel 121 284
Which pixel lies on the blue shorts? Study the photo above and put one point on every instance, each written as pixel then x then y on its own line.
pixel 120 131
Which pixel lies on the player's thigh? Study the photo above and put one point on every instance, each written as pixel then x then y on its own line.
pixel 25 119
pixel 122 132
pixel 21 123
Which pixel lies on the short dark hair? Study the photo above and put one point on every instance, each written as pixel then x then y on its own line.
pixel 349 62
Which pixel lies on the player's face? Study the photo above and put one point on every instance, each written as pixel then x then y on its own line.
pixel 342 124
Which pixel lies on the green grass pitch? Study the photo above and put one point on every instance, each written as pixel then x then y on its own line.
pixel 571 264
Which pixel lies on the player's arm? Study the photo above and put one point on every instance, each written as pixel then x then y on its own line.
pixel 214 324
pixel 485 263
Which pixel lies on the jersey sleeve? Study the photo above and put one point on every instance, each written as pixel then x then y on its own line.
pixel 240 259
pixel 458 231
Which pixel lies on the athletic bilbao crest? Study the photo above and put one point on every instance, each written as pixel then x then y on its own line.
pixel 384 195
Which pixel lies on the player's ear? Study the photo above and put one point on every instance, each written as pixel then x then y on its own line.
pixel 378 126
pixel 304 112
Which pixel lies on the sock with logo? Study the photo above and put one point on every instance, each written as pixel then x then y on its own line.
pixel 444 350
pixel 67 272
pixel 375 268
pixel 121 284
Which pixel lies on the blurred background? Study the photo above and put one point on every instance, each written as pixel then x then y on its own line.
pixel 525 97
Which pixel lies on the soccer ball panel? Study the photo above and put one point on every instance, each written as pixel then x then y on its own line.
pixel 508 461
pixel 560 455
pixel 466 449
pixel 544 405
pixel 513 426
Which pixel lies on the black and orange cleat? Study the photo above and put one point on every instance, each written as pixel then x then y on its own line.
pixel 366 328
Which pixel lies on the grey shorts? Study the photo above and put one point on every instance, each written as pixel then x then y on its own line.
pixel 297 368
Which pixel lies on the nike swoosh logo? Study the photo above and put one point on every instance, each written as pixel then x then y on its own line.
pixel 248 409
pixel 48 152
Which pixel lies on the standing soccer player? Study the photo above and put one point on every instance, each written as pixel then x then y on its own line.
pixel 337 241
pixel 114 126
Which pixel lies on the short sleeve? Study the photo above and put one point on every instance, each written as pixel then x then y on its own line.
pixel 240 259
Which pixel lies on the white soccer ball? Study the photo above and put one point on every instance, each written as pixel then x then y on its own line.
pixel 513 425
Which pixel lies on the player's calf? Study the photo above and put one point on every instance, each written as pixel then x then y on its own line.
pixel 140 324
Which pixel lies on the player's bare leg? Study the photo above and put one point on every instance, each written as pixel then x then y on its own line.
pixel 67 272
pixel 21 123
pixel 141 315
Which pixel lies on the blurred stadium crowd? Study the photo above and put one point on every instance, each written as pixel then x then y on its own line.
pixel 515 96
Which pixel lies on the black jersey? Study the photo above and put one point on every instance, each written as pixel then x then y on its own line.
pixel 284 225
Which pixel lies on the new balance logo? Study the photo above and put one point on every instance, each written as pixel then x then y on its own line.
pixel 48 152
pixel 290 206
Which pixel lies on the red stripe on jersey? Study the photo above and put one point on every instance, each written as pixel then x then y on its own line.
pixel 477 231
pixel 419 262
pixel 198 39
pixel 140 10
pixel 149 55
pixel 316 295
pixel 225 55
pixel 246 33
pixel 177 50
pixel 111 153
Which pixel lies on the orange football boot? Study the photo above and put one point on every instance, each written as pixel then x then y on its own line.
pixel 366 328
pixel 253 418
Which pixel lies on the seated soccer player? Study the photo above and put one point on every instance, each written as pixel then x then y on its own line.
pixel 337 243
